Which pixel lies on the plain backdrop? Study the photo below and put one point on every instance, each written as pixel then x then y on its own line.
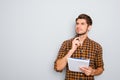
pixel 32 31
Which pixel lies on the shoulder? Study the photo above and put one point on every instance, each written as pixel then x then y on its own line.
pixel 66 44
pixel 68 41
pixel 95 44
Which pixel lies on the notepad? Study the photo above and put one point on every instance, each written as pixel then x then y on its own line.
pixel 75 64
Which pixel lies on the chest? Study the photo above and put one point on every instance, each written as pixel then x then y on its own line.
pixel 85 52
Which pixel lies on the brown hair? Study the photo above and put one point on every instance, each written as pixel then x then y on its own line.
pixel 86 17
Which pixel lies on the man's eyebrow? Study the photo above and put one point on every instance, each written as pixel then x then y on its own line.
pixel 77 22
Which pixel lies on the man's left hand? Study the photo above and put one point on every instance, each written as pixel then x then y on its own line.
pixel 87 70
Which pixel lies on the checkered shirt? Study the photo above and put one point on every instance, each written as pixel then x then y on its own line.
pixel 89 50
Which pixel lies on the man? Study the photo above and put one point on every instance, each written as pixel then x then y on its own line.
pixel 81 47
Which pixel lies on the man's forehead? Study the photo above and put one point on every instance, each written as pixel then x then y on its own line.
pixel 81 20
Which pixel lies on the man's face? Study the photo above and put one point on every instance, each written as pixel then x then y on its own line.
pixel 81 26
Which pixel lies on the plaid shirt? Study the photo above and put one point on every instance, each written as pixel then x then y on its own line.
pixel 89 50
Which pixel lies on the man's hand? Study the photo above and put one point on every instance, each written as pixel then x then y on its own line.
pixel 88 71
pixel 75 43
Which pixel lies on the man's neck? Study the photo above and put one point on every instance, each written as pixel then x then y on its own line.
pixel 82 38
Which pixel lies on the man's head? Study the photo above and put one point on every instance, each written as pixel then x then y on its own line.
pixel 83 24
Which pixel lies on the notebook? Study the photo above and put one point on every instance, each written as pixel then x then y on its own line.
pixel 74 64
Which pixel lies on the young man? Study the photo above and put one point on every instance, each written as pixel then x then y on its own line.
pixel 81 47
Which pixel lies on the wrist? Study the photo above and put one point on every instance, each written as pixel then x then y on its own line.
pixel 93 72
pixel 69 53
pixel 72 50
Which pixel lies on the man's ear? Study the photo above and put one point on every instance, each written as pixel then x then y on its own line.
pixel 89 27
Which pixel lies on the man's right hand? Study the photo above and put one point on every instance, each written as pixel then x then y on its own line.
pixel 75 43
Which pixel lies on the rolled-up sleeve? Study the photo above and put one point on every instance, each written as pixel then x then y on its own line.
pixel 62 52
pixel 99 57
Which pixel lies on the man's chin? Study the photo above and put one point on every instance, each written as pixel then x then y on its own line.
pixel 80 34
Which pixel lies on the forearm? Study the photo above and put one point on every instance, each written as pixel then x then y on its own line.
pixel 61 63
pixel 97 71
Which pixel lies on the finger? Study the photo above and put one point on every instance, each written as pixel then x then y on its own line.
pixel 77 43
pixel 77 38
pixel 82 70
pixel 85 69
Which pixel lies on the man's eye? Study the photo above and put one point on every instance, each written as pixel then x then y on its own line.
pixel 82 23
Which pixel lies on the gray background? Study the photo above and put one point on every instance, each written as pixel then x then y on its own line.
pixel 32 31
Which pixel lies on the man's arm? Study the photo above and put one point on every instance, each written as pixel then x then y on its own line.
pixel 61 63
pixel 97 71
pixel 98 62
